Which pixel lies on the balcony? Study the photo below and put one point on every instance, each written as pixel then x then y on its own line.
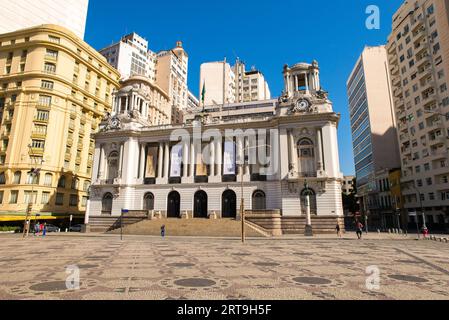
pixel 395 70
pixel 41 120
pixel 397 92
pixel 78 160
pixel 67 157
pixel 38 135
pixel 37 151
pixel 71 126
pixel 396 81
pixel 439 154
pixel 437 141
pixel 80 146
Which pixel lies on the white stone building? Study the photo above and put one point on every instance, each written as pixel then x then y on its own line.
pixel 131 56
pixel 70 14
pixel 265 151
pixel 218 78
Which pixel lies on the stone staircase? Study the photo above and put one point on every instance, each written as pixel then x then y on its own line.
pixel 191 227
pixel 107 223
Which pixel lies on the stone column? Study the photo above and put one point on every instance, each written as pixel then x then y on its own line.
pixel 192 159
pixel 292 159
pixel 219 157
pixel 240 154
pixel 121 161
pixel 212 158
pixel 320 149
pixel 296 83
pixel 167 159
pixel 247 150
pixel 306 75
pixel 100 163
pixel 160 160
pixel 185 158
pixel 142 161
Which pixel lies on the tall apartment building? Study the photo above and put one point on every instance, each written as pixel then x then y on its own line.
pixel 54 91
pixel 373 125
pixel 192 103
pixel 71 14
pixel 347 185
pixel 219 81
pixel 418 55
pixel 250 85
pixel 172 68
pixel 131 57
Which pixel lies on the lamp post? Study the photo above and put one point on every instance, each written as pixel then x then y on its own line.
pixel 423 213
pixel 308 228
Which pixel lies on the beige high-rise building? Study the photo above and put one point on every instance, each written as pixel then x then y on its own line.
pixel 418 55
pixel 250 85
pixel 171 75
pixel 54 91
pixel 219 81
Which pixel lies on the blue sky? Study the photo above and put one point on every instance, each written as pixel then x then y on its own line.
pixel 263 33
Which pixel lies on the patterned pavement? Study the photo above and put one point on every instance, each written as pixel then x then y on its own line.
pixel 219 269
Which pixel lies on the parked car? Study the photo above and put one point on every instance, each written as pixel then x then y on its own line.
pixel 76 228
pixel 52 228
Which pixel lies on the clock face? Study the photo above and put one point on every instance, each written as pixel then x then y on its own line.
pixel 303 105
pixel 115 123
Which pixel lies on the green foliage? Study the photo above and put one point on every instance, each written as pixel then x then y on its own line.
pixel 6 229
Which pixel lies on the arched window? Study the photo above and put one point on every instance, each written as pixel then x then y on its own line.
pixel 2 178
pixel 75 183
pixel 312 199
pixel 48 180
pixel 259 200
pixel 113 165
pixel 148 201
pixel 61 182
pixel 306 156
pixel 17 177
pixel 106 204
pixel 33 178
pixel 86 185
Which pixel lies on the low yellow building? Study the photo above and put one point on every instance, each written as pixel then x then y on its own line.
pixel 54 91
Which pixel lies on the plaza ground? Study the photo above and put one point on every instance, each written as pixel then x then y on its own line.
pixel 293 268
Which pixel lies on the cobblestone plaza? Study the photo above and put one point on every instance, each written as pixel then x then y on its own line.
pixel 206 268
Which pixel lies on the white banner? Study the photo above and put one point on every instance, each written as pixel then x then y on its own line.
pixel 176 161
pixel 229 158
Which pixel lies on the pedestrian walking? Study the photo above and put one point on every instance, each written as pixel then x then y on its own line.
pixel 41 228
pixel 359 228
pixel 163 231
pixel 36 228
pixel 338 228
pixel 44 230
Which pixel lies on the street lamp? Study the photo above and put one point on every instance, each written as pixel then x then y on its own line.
pixel 308 229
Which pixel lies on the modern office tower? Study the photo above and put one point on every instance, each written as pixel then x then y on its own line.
pixel 418 55
pixel 54 91
pixel 249 85
pixel 372 122
pixel 217 80
pixel 171 75
pixel 131 57
pixel 193 103
pixel 71 14
pixel 294 169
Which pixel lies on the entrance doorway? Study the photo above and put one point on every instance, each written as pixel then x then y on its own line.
pixel 200 205
pixel 229 204
pixel 174 205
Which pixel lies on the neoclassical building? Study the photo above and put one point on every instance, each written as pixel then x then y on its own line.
pixel 272 153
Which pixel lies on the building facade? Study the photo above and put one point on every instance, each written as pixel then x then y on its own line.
pixel 200 169
pixel 16 15
pixel 131 57
pixel 347 185
pixel 249 85
pixel 54 91
pixel 218 79
pixel 418 56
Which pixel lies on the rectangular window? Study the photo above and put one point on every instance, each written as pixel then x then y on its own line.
pixel 50 68
pixel 45 101
pixel 52 54
pixel 83 201
pixel 30 197
pixel 38 144
pixel 1 197
pixel 42 115
pixel 73 200
pixel 59 199
pixel 54 39
pixel 13 196
pixel 45 198
pixel 47 85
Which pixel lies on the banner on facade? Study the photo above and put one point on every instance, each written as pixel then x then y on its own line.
pixel 151 163
pixel 201 167
pixel 229 158
pixel 176 161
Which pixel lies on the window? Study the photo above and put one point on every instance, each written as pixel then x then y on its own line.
pixel 13 196
pixel 42 115
pixel 38 144
pixel 17 177
pixel 2 178
pixel 30 197
pixel 45 100
pixel 52 54
pixel 73 200
pixel 419 183
pixel 48 181
pixel 84 201
pixel 45 198
pixel 47 85
pixel 32 178
pixel 50 68
pixel 106 204
pixel 54 39
pixel 430 10
pixel 75 183
pixel 59 199
pixel 148 201
pixel 429 181
pixel 1 197
pixel 86 186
